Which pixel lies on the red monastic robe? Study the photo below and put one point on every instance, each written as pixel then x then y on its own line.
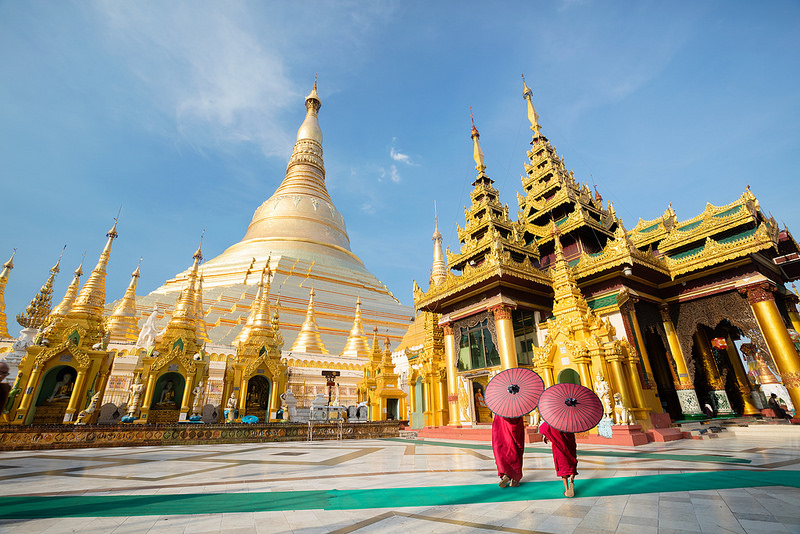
pixel 565 451
pixel 508 445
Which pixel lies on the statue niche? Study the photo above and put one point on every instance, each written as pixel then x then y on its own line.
pixel 257 401
pixel 54 394
pixel 167 398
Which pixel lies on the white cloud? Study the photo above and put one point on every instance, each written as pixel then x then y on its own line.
pixel 394 175
pixel 398 156
pixel 206 69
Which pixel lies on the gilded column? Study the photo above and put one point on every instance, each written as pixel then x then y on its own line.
pixel 721 402
pixel 784 354
pixel 452 386
pixel 148 400
pixel 741 379
pixel 584 371
pixel 549 378
pixel 636 388
pixel 640 346
pixel 791 307
pixel 27 396
pixel 77 394
pixel 619 381
pixel 687 396
pixel 505 336
pixel 187 395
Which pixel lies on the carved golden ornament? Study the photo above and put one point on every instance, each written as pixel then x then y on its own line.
pixel 82 360
pixel 502 312
pixel 175 354
pixel 791 380
pixel 447 329
pixel 759 293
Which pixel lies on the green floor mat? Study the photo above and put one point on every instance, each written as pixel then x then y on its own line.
pixel 210 503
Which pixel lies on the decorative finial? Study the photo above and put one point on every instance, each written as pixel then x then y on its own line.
pixel 527 94
pixel 198 255
pixel 477 153
pixel 10 263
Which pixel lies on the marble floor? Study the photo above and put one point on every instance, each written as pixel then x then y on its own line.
pixel 747 481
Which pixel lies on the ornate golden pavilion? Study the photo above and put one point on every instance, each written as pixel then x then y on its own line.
pixel 660 313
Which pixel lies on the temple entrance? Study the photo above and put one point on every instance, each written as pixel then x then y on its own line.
pixel 391 409
pixel 482 412
pixel 257 403
pixel 664 374
pixel 55 391
pixel 167 398
pixel 569 376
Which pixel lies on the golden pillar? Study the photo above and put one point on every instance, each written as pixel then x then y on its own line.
pixel 687 396
pixel 148 399
pixel 784 354
pixel 187 395
pixel 618 379
pixel 742 382
pixel 77 393
pixel 584 371
pixel 636 388
pixel 549 377
pixel 27 396
pixel 721 401
pixel 791 308
pixel 648 370
pixel 452 385
pixel 505 336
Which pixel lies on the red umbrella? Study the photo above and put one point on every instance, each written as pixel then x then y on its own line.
pixel 570 407
pixel 513 392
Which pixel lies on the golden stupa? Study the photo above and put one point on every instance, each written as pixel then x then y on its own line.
pixel 300 236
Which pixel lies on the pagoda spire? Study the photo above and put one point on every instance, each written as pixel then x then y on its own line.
pixel 7 266
pixel 254 305
pixel 567 297
pixel 121 324
pixel 199 313
pixel 439 268
pixel 92 296
pixel 64 307
pixel 376 355
pixel 527 94
pixel 183 316
pixel 39 308
pixel 356 344
pixel 477 152
pixel 308 339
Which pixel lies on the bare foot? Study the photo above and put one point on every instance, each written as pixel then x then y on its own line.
pixel 504 480
pixel 571 487
pixel 514 483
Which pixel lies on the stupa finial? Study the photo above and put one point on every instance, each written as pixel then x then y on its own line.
pixel 527 94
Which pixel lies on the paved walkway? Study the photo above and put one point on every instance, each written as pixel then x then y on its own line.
pixel 745 482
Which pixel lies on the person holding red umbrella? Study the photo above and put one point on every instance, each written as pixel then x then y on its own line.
pixel 567 409
pixel 508 446
pixel 511 394
pixel 565 455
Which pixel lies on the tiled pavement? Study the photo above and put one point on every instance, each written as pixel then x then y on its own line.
pixel 747 482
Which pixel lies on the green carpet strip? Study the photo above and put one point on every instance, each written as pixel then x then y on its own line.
pixel 214 503
pixel 616 454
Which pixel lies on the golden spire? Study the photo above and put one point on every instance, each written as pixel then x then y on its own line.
pixel 477 153
pixel 356 344
pixel 308 339
pixel 183 315
pixel 376 355
pixel 39 308
pixel 122 323
pixel 387 356
pixel 439 268
pixel 527 94
pixel 199 313
pixel 92 297
pixel 567 297
pixel 7 266
pixel 254 305
pixel 66 303
pixel 261 331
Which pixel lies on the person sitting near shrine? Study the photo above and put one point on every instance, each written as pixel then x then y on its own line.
pixel 508 446
pixel 775 406
pixel 565 455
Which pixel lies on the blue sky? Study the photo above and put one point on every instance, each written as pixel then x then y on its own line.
pixel 184 114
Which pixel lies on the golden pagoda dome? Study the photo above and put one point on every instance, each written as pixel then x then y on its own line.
pixel 357 341
pixel 308 340
pixel 121 324
pixel 37 311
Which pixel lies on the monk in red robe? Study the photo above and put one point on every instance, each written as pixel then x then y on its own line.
pixel 565 455
pixel 508 445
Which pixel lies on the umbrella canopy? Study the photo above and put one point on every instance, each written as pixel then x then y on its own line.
pixel 513 392
pixel 570 407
